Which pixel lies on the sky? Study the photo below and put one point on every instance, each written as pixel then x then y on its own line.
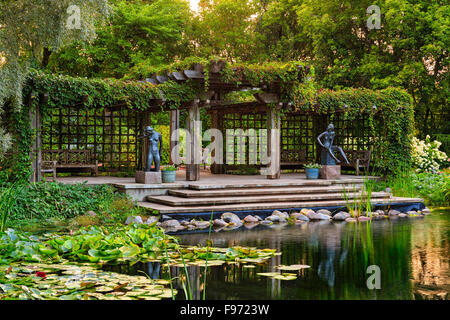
pixel 194 4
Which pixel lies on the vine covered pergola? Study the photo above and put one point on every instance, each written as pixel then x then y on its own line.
pixel 107 116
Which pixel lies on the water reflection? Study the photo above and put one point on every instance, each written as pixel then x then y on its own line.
pixel 412 254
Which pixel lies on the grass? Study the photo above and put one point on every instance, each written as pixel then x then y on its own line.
pixel 361 202
pixel 433 188
pixel 8 199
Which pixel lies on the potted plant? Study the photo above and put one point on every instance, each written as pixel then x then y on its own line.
pixel 312 170
pixel 168 174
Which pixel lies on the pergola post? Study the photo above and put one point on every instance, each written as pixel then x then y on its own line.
pixel 216 123
pixel 174 132
pixel 273 143
pixel 36 156
pixel 193 142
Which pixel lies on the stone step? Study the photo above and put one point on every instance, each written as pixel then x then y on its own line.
pixel 188 193
pixel 178 201
pixel 165 209
pixel 239 183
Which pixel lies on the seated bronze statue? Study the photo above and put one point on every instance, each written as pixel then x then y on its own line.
pixel 327 154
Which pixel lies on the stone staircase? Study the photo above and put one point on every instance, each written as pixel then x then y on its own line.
pixel 271 195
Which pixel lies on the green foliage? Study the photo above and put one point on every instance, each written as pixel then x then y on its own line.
pixel 29 28
pixel 389 111
pixel 117 243
pixel 46 200
pixel 433 188
pixel 137 33
pixel 313 166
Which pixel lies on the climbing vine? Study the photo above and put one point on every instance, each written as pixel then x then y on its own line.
pixel 389 111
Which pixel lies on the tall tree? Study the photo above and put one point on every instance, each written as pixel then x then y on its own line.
pixel 138 34
pixel 29 30
pixel 410 49
pixel 227 28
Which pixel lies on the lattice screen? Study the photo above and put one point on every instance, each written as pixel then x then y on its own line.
pixel 298 135
pixel 112 134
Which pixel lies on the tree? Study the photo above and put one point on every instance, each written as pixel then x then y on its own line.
pixel 29 30
pixel 138 34
pixel 227 28
pixel 410 49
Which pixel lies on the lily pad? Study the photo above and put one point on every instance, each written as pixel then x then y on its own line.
pixel 293 267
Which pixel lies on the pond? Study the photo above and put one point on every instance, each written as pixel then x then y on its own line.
pixel 412 254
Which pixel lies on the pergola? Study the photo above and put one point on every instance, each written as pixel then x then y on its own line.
pixel 67 126
pixel 108 116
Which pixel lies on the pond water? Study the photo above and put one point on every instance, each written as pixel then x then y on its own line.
pixel 412 254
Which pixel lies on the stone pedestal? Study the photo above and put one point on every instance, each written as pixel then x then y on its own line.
pixel 330 172
pixel 148 177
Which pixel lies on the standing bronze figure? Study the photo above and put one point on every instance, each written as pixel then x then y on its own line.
pixel 155 145
pixel 327 154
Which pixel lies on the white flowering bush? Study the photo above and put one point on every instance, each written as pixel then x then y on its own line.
pixel 426 155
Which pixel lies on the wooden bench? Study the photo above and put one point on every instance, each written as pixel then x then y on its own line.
pixel 70 160
pixel 358 159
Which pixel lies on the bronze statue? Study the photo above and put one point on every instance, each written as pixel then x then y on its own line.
pixel 154 151
pixel 327 155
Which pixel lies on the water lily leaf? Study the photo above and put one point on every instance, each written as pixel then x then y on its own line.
pixel 129 251
pixel 286 276
pixel 293 267
pixel 268 274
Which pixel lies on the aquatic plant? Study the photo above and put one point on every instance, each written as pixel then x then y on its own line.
pixel 8 198
pixel 116 244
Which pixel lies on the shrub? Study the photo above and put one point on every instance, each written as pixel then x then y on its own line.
pixel 426 156
pixel 46 200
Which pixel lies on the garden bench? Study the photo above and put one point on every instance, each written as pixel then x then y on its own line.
pixel 357 159
pixel 69 160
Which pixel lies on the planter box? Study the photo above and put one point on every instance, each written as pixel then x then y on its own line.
pixel 312 173
pixel 168 176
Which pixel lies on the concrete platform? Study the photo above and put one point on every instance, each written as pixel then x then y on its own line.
pixel 177 201
pixel 190 193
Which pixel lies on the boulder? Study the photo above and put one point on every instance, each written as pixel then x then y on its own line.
pixel 318 216
pixel 201 224
pixel 402 215
pixel 134 219
pixel 250 219
pixel 274 218
pixel 350 220
pixel 306 211
pixel 266 222
pixel 393 212
pixel 251 225
pixel 324 211
pixel 151 220
pixel 219 223
pixel 172 223
pixel 426 211
pixel 363 218
pixel 341 216
pixel 380 212
pixel 259 218
pixel 164 217
pixel 299 216
pixel 184 223
pixel 230 217
pixel 282 215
